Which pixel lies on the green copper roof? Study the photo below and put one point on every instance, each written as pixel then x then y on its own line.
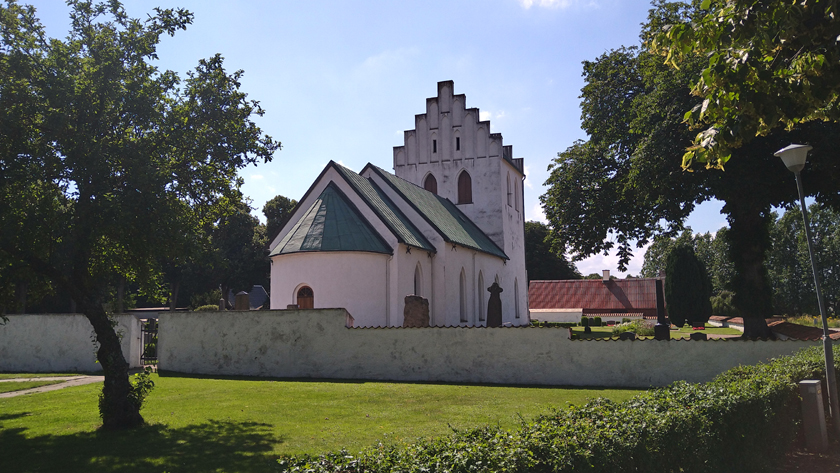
pixel 448 220
pixel 332 223
pixel 388 212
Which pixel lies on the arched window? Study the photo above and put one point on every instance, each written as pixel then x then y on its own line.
pixel 463 294
pixel 430 184
pixel 516 296
pixel 481 295
pixel 509 192
pixel 464 188
pixel 305 298
pixel 418 281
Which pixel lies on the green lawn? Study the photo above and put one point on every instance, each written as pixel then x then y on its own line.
pixel 683 332
pixel 242 425
pixel 21 385
pixel 32 375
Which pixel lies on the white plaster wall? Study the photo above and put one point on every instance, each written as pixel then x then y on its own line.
pixel 556 315
pixel 60 343
pixel 316 344
pixel 349 279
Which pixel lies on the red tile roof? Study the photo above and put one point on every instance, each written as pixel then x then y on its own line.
pixel 799 332
pixel 615 294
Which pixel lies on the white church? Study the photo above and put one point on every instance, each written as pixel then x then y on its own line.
pixel 445 225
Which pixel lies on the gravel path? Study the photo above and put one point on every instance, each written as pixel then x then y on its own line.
pixel 70 381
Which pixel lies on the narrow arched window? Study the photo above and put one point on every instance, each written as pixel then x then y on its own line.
pixel 516 296
pixel 430 184
pixel 481 295
pixel 464 188
pixel 463 294
pixel 418 281
pixel 509 192
pixel 305 298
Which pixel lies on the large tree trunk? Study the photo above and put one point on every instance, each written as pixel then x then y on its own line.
pixel 749 241
pixel 173 295
pixel 117 408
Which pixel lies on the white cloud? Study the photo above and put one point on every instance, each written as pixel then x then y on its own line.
pixel 557 3
pixel 484 115
pixel 385 63
pixel 528 179
pixel 599 262
pixel 256 177
pixel 537 214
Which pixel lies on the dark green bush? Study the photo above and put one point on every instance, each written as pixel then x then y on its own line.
pixel 539 323
pixel 597 321
pixel 742 421
pixel 687 287
pixel 584 321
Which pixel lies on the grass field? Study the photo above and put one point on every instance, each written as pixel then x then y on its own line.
pixel 32 375
pixel 683 332
pixel 243 425
pixel 21 385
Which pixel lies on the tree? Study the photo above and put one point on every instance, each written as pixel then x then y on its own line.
pixel 542 263
pixel 769 64
pixel 239 247
pixel 712 251
pixel 277 212
pixel 626 183
pixel 687 288
pixel 110 166
pixel 789 264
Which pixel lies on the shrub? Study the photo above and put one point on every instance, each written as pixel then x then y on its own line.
pixel 624 320
pixel 204 299
pixel 540 323
pixel 722 304
pixel 742 421
pixel 597 321
pixel 584 321
pixel 207 308
pixel 687 287
pixel 642 328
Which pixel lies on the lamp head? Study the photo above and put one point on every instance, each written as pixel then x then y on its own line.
pixel 794 156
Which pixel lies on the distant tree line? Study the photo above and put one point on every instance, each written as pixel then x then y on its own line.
pixel 787 261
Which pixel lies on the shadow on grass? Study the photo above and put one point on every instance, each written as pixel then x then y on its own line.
pixel 211 446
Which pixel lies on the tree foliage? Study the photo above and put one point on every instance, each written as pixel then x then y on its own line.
pixel 626 185
pixel 711 250
pixel 769 64
pixel 789 264
pixel 687 287
pixel 540 261
pixel 277 212
pixel 110 167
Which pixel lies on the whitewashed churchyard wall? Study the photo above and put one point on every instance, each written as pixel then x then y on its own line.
pixel 316 344
pixel 60 343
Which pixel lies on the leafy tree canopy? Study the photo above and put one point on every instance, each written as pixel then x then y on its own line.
pixel 767 64
pixel 541 262
pixel 277 211
pixel 625 184
pixel 108 166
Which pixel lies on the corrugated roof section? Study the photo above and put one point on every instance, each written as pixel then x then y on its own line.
pixel 616 294
pixel 448 220
pixel 386 210
pixel 332 223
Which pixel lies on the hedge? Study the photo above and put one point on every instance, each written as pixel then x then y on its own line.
pixel 742 421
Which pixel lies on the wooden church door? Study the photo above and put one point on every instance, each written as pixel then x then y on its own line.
pixel 305 298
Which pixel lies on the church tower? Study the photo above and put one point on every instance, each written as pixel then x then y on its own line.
pixel 452 153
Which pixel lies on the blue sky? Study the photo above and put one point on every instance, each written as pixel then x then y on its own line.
pixel 342 80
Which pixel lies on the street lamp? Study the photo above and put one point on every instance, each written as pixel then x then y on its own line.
pixel 794 157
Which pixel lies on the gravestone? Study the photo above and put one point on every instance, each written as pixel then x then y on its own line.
pixel 698 336
pixel 494 306
pixel 242 301
pixel 627 336
pixel 416 312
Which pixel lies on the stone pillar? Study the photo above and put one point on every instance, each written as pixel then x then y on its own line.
pixel 243 302
pixel 416 312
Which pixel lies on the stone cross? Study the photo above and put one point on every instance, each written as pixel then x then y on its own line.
pixel 494 306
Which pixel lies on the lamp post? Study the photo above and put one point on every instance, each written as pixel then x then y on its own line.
pixel 795 157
